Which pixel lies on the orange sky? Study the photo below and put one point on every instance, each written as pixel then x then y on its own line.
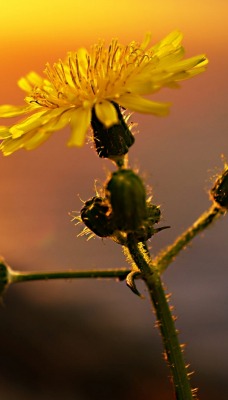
pixel 177 154
pixel 33 33
pixel 81 20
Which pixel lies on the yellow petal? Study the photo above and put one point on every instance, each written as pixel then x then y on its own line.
pixel 146 41
pixel 139 104
pixel 37 134
pixel 168 59
pixel 29 81
pixel 28 141
pixel 10 145
pixel 82 58
pixel 24 85
pixel 174 38
pixel 106 113
pixel 8 111
pixel 150 83
pixel 55 124
pixel 80 121
pixel 26 125
pixel 35 138
pixel 4 132
pixel 38 119
pixel 188 64
pixel 141 85
pixel 33 141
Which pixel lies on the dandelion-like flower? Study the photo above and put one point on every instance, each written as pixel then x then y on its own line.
pixel 96 81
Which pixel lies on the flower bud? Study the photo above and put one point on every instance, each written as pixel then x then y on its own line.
pixel 127 196
pixel 147 229
pixel 114 141
pixel 96 216
pixel 144 232
pixel 153 213
pixel 219 192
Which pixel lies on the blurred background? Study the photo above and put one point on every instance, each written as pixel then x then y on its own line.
pixel 94 339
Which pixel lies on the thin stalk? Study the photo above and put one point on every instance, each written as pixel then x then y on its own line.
pixel 161 261
pixel 17 276
pixel 165 320
pixel 167 255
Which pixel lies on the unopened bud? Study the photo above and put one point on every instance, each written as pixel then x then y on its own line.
pixel 96 216
pixel 153 213
pixel 219 192
pixel 114 141
pixel 127 196
pixel 146 230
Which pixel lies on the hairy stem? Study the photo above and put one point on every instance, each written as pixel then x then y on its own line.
pixel 16 276
pixel 165 320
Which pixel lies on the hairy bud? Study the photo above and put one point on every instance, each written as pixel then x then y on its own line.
pixel 114 141
pixel 219 192
pixel 127 196
pixel 96 216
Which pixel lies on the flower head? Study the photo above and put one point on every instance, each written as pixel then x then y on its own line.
pixel 93 81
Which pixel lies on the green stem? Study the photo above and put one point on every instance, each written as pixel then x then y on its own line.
pixel 165 320
pixel 16 276
pixel 167 256
pixel 161 261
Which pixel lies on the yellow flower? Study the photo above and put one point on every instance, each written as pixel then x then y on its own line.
pixel 95 80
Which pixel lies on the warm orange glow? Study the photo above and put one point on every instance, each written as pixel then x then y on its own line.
pixel 83 21
pixel 33 33
pixel 48 346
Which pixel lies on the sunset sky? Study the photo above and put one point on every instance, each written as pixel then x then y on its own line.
pixel 34 32
pixel 178 155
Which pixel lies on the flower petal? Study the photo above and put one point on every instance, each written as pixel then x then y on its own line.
pixel 106 113
pixel 4 132
pixel 188 64
pixel 139 104
pixel 146 41
pixel 80 121
pixel 26 125
pixel 172 57
pixel 8 111
pixel 29 141
pixel 174 38
pixel 36 120
pixel 29 81
pixel 10 145
pixel 32 138
pixel 82 57
pixel 33 141
pixel 59 122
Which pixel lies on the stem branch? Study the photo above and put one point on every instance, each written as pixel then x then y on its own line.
pixel 167 256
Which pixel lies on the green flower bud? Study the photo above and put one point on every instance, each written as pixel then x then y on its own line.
pixel 96 216
pixel 219 192
pixel 153 213
pixel 144 232
pixel 147 230
pixel 114 141
pixel 127 196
